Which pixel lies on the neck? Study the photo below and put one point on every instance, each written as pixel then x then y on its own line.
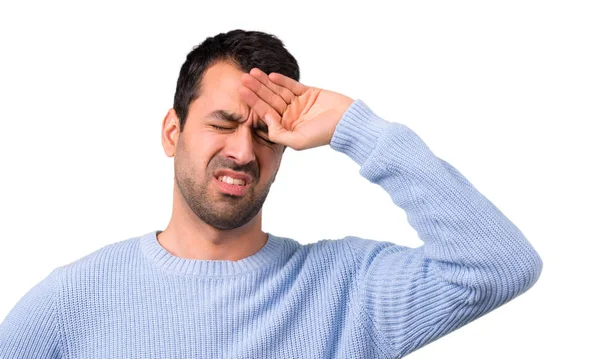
pixel 187 236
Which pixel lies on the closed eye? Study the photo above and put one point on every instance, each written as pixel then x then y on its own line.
pixel 219 127
pixel 269 142
pixel 265 137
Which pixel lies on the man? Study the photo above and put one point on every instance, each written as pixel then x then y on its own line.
pixel 214 285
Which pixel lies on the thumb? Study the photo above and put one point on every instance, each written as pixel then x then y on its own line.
pixel 276 131
pixel 270 121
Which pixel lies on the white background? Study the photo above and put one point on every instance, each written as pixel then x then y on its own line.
pixel 508 92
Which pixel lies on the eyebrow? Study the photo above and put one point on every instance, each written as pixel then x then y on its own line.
pixel 234 117
pixel 225 115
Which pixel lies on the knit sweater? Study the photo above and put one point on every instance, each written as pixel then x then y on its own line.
pixel 349 297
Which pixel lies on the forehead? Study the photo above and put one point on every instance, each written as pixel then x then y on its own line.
pixel 219 89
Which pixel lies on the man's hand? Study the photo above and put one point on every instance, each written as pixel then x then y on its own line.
pixel 298 116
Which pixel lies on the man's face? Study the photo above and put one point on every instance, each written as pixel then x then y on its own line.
pixel 203 151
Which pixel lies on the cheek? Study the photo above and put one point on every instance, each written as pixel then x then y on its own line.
pixel 184 165
pixel 268 163
pixel 205 147
pixel 193 157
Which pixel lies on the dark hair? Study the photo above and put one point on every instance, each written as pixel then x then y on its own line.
pixel 244 49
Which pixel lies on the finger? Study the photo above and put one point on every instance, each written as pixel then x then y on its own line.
pixel 264 93
pixel 256 103
pixel 296 87
pixel 283 92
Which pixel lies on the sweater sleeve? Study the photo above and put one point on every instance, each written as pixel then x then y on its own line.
pixel 30 330
pixel 473 258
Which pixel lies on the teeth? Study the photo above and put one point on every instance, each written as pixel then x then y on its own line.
pixel 230 180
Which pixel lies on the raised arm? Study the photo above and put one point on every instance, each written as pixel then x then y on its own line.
pixel 473 259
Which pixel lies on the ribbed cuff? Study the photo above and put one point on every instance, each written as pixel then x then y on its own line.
pixel 357 132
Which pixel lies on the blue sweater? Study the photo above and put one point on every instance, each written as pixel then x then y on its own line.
pixel 336 298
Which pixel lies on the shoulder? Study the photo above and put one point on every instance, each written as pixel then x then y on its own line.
pixel 363 252
pixel 111 258
pixel 359 245
pixel 356 249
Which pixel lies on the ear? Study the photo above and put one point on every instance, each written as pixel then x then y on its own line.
pixel 170 133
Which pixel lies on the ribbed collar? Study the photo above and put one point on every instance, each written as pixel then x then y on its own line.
pixel 266 256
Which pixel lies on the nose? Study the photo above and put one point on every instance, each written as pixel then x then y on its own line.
pixel 239 145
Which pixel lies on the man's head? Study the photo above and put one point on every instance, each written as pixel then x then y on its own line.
pixel 222 133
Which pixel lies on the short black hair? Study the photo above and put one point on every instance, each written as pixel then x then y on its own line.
pixel 244 49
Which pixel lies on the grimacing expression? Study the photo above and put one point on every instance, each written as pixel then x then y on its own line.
pixel 210 143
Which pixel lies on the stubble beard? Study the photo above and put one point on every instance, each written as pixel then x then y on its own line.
pixel 217 209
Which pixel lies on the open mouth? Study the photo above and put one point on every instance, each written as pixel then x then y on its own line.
pixel 233 181
pixel 231 186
